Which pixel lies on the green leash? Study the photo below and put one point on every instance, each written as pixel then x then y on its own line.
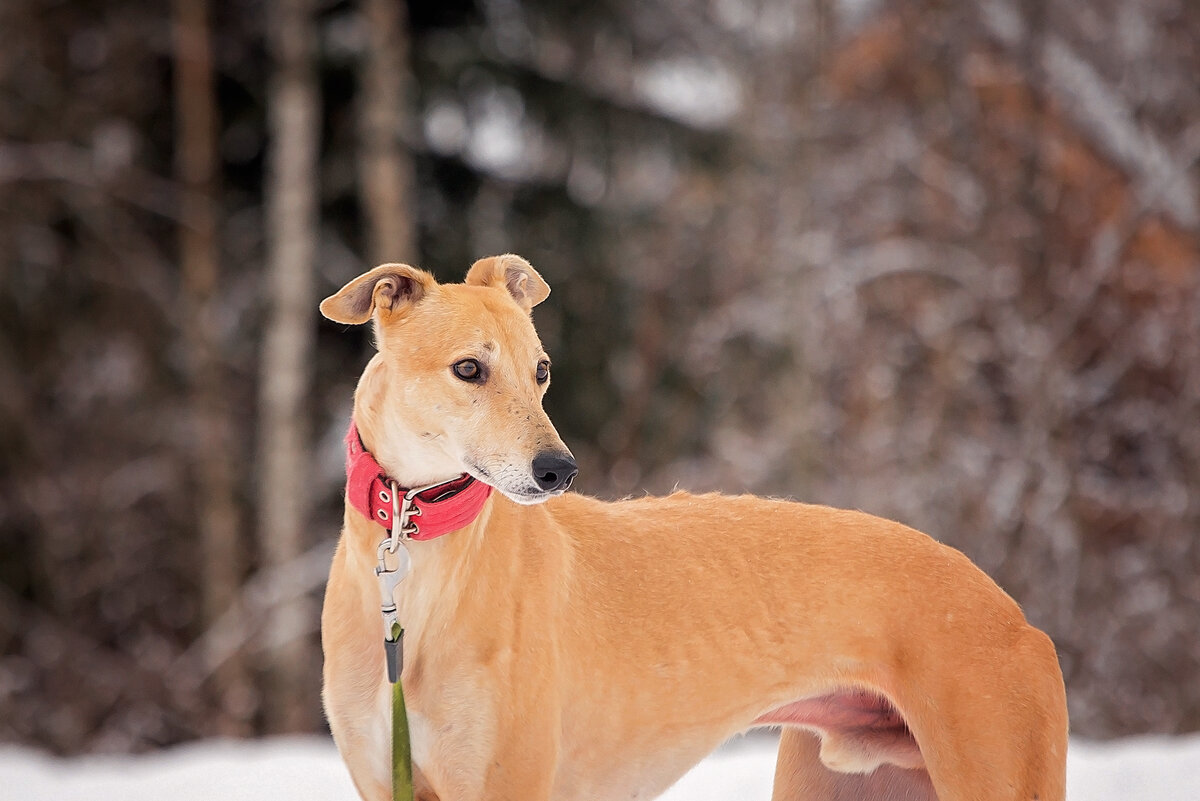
pixel 402 777
pixel 393 650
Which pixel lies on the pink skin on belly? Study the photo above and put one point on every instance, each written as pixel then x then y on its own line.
pixel 845 709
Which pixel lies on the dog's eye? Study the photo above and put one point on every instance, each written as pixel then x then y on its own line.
pixel 543 372
pixel 468 370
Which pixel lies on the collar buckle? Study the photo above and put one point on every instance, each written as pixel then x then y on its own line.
pixel 404 509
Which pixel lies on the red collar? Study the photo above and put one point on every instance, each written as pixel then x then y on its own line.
pixel 436 510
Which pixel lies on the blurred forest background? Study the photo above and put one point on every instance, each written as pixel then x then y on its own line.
pixel 938 261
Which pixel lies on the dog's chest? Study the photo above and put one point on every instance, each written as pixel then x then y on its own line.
pixel 453 752
pixel 596 762
pixel 622 776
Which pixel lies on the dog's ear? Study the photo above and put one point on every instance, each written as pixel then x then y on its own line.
pixel 513 274
pixel 388 288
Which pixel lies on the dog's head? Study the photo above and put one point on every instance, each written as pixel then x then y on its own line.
pixel 460 376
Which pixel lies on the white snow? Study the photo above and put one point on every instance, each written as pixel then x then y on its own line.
pixel 1134 769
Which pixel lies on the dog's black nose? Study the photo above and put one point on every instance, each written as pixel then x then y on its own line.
pixel 554 471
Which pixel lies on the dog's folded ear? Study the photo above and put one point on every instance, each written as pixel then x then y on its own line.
pixel 389 288
pixel 512 273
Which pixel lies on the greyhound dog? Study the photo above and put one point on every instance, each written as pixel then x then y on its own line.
pixel 561 647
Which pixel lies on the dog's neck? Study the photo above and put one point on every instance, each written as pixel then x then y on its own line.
pixel 408 458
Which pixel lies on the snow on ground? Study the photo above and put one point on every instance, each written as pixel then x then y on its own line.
pixel 309 769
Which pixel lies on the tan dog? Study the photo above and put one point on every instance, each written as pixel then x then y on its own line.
pixel 575 649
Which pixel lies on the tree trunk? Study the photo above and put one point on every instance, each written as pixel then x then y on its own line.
pixel 221 559
pixel 292 227
pixel 384 166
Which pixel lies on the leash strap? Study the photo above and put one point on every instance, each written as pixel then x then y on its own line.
pixel 393 651
pixel 402 778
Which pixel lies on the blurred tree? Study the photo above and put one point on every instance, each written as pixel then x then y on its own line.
pixel 385 112
pixel 285 493
pixel 212 441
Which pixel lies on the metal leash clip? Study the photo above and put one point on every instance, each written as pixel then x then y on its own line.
pixel 389 580
pixel 403 527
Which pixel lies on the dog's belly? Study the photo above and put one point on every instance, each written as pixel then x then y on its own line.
pixel 859 730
